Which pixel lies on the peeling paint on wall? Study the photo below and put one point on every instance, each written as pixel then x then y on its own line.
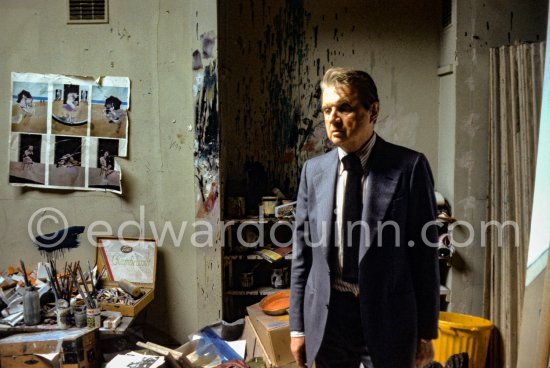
pixel 207 128
pixel 207 154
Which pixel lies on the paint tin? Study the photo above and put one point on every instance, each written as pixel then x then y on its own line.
pixel 62 314
pixel 247 280
pixel 80 319
pixel 93 317
pixel 268 205
pixel 235 207
pixel 31 306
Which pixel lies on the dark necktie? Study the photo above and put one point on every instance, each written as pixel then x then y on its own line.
pixel 351 214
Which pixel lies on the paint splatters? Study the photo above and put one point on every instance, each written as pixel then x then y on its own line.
pixel 175 146
pixel 511 21
pixel 123 34
pixel 208 41
pixel 196 60
pixel 205 90
pixel 315 35
pixel 318 64
pixel 487 25
pixel 335 35
pixel 180 136
pixel 328 55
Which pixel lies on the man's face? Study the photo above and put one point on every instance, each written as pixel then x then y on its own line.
pixel 349 125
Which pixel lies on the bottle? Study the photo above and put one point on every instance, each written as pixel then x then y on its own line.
pixel 31 306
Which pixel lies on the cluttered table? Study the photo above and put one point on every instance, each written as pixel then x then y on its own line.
pixel 107 296
pixel 6 330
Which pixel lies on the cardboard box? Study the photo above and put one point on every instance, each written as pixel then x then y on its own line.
pixel 77 348
pixel 255 349
pixel 273 333
pixel 132 259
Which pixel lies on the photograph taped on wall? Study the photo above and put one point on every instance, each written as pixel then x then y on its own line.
pixel 67 130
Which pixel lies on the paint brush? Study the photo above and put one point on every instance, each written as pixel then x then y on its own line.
pixel 53 272
pixel 27 283
pixel 52 283
pixel 91 278
pixel 81 293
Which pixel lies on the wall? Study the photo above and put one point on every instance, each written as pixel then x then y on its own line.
pixel 149 42
pixel 480 25
pixel 272 57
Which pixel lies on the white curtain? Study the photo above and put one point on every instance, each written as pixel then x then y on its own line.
pixel 516 75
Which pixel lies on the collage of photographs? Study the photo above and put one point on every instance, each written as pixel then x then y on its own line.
pixel 67 131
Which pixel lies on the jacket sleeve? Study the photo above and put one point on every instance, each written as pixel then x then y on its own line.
pixel 301 257
pixel 425 263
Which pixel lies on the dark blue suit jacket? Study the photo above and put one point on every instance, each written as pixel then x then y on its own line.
pixel 398 266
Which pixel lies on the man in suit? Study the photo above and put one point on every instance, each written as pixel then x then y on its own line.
pixel 365 279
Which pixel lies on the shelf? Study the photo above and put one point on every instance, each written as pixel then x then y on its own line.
pixel 252 220
pixel 239 257
pixel 267 290
pixel 256 220
pixel 262 290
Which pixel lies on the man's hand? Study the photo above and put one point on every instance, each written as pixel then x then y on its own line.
pixel 298 347
pixel 424 353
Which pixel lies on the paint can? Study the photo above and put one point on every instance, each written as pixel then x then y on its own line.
pixel 80 319
pixel 62 312
pixel 93 317
pixel 235 207
pixel 268 205
pixel 246 280
pixel 31 306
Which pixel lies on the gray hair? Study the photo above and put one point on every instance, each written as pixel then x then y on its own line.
pixel 358 81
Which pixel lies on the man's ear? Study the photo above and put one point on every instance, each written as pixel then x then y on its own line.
pixel 374 111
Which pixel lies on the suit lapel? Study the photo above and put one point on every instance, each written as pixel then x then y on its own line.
pixel 381 185
pixel 325 193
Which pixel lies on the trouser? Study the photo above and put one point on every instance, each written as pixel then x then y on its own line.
pixel 343 344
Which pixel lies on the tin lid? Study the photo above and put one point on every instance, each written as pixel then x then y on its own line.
pixel 132 259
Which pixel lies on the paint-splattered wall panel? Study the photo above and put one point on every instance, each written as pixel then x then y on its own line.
pixel 262 47
pixel 272 56
pixel 398 44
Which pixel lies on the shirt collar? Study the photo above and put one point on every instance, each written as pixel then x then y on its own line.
pixel 363 153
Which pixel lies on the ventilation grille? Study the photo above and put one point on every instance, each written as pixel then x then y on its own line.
pixel 88 11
